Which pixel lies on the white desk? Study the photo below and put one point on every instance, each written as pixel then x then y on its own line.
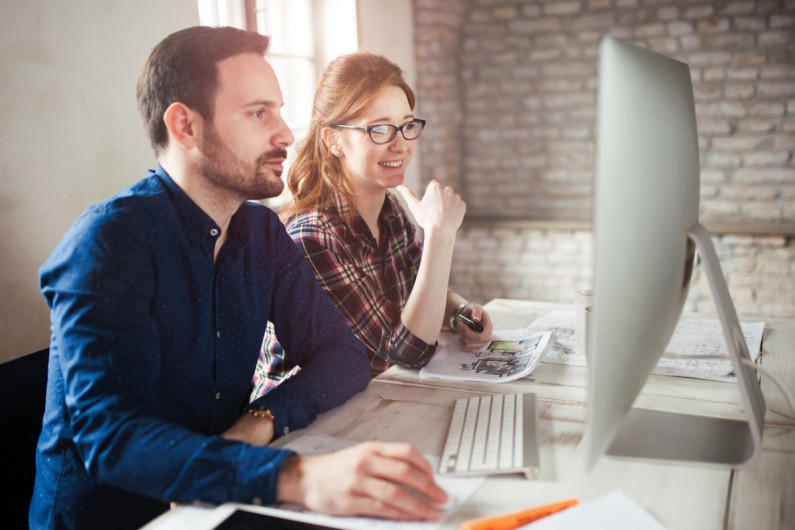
pixel 402 406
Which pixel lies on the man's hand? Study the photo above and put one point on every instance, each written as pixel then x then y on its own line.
pixel 469 339
pixel 376 479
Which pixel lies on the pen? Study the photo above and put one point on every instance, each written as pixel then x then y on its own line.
pixel 474 326
pixel 508 521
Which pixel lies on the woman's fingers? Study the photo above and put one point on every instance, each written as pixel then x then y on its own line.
pixel 471 340
pixel 440 207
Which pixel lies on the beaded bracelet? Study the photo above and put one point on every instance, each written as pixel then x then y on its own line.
pixel 260 413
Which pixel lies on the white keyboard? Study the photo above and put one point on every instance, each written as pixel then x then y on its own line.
pixel 492 434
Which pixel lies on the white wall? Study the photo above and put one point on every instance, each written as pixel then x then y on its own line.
pixel 70 134
pixel 387 28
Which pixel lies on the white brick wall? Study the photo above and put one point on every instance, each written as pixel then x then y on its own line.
pixel 549 264
pixel 509 90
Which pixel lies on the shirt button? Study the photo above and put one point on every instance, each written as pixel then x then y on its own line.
pixel 257 501
pixel 286 429
pixel 213 232
pixel 218 333
pixel 217 395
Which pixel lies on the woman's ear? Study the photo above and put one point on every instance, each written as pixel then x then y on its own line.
pixel 184 125
pixel 331 139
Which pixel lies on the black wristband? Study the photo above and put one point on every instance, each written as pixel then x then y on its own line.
pixel 457 311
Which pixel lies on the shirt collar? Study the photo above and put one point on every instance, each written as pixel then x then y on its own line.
pixel 195 221
pixel 356 222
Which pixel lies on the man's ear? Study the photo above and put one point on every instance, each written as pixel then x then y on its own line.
pixel 184 125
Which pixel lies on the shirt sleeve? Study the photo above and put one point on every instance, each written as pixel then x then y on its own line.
pixel 333 362
pixel 373 318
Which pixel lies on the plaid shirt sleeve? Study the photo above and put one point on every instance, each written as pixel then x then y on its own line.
pixel 372 314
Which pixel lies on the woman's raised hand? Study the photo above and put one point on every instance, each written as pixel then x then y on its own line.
pixel 441 209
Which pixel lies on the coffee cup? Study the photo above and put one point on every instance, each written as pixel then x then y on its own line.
pixel 586 331
pixel 583 299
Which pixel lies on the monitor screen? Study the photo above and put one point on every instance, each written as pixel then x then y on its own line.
pixel 646 232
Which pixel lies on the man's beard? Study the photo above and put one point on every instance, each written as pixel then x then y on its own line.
pixel 222 168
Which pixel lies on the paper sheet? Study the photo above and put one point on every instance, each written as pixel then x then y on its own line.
pixel 565 349
pixel 512 354
pixel 692 337
pixel 614 511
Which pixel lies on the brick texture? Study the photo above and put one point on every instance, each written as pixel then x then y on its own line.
pixel 550 264
pixel 509 90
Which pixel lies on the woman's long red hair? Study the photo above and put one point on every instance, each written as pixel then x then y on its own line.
pixel 347 88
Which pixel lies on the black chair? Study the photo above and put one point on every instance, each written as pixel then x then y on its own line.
pixel 23 388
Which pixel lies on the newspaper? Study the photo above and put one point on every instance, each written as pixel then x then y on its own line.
pixel 512 354
pixel 697 348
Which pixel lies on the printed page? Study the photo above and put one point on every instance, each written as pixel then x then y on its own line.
pixel 512 354
pixel 697 348
pixel 565 349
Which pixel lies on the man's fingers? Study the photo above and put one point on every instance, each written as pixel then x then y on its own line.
pixel 387 480
pixel 404 466
pixel 389 500
pixel 405 452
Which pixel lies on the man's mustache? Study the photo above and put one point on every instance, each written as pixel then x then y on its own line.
pixel 274 154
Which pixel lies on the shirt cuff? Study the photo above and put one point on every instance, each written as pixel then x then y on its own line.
pixel 409 350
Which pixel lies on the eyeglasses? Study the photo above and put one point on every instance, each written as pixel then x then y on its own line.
pixel 383 133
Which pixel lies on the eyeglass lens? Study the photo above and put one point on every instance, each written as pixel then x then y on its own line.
pixel 382 134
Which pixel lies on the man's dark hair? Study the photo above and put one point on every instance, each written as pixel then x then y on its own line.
pixel 182 67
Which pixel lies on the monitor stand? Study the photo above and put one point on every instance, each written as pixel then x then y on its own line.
pixel 657 435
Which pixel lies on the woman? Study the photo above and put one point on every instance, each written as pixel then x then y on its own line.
pixel 391 288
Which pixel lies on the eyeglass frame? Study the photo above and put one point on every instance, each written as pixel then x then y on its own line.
pixel 394 128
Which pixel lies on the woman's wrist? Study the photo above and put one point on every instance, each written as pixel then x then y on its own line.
pixel 439 236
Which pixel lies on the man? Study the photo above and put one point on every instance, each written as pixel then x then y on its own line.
pixel 159 299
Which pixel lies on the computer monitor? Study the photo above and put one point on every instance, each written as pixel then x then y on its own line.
pixel 646 232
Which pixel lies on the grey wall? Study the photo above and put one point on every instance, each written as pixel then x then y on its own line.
pixel 69 131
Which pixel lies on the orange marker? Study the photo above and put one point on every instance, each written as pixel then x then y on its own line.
pixel 509 521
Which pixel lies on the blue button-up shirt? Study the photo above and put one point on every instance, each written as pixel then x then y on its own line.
pixel 152 353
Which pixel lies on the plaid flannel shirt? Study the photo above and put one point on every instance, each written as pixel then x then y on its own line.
pixel 368 281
